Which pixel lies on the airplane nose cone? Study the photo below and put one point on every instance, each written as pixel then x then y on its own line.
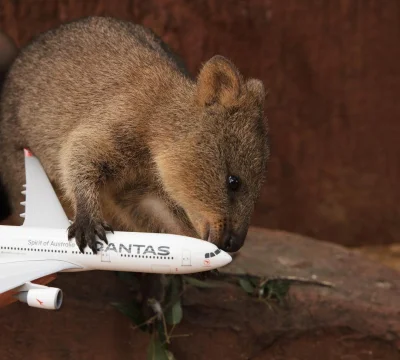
pixel 225 258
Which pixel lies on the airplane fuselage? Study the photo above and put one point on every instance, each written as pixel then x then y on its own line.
pixel 125 251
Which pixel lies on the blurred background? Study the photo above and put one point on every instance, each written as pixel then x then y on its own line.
pixel 333 74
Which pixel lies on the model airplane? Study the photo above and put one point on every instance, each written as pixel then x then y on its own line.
pixel 31 254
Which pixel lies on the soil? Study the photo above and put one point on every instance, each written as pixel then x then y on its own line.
pixel 333 344
pixel 89 328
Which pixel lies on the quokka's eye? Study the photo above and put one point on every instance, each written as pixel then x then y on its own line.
pixel 233 182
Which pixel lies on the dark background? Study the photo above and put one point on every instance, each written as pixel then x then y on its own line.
pixel 332 68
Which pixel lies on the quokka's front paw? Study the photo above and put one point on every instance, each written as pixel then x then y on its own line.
pixel 85 229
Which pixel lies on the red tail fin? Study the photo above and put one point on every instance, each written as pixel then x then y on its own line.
pixel 27 153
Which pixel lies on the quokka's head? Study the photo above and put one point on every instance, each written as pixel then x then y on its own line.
pixel 215 171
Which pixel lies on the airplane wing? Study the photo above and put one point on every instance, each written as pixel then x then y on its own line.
pixel 42 206
pixel 17 272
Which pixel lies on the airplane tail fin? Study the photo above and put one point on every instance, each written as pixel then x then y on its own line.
pixel 42 206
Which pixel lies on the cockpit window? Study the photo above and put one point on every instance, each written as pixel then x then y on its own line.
pixel 212 254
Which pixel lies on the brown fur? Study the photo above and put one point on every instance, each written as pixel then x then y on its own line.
pixel 129 139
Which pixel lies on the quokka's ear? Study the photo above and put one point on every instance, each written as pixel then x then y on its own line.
pixel 219 82
pixel 256 88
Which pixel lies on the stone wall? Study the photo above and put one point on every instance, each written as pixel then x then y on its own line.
pixel 333 71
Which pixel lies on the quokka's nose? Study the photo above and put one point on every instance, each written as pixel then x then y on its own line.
pixel 233 242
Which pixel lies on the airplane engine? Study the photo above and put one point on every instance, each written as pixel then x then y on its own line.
pixel 49 298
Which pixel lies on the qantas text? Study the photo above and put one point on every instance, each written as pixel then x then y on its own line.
pixel 130 249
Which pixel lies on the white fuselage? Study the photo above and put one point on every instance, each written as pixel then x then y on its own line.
pixel 126 251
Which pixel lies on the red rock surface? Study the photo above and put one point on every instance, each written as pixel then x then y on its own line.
pixel 357 319
pixel 333 74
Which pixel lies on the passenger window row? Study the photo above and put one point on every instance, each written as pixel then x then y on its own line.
pixel 32 249
pixel 148 256
pixel 85 253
